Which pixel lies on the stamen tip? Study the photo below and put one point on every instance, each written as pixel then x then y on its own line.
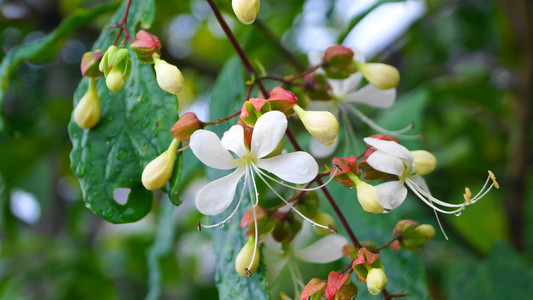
pixel 332 228
pixel 248 273
pixel 199 226
pixel 496 185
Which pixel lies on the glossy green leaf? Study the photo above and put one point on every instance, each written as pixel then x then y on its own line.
pixel 228 95
pixel 47 47
pixel 133 130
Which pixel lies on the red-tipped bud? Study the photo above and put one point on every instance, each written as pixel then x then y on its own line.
pixel 90 62
pixel 343 169
pixel 335 282
pixel 281 99
pixel 186 126
pixel 338 62
pixel 145 45
pixel 316 86
pixel 365 261
pixel 370 173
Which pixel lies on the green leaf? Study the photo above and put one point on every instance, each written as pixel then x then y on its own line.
pixel 227 97
pixel 45 47
pixel 134 129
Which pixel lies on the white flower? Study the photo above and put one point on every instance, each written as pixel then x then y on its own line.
pixel 297 167
pixel 325 250
pixel 347 92
pixel 393 158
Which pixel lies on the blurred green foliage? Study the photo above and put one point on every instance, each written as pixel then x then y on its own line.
pixel 458 68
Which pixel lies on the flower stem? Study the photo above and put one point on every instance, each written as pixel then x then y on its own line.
pixel 122 25
pixel 221 120
pixel 236 46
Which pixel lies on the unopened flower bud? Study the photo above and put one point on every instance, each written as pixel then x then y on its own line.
pixel 116 65
pixel 325 219
pixel 321 124
pixel 185 126
pixel 367 199
pixel 157 173
pixel 338 62
pixel 316 86
pixel 254 108
pixel 246 10
pixel 89 64
pixel 380 75
pixel 145 45
pixel 87 112
pixel 244 262
pixel 376 281
pixel 425 162
pixel 281 99
pixel 344 169
pixel 168 76
pixel 427 231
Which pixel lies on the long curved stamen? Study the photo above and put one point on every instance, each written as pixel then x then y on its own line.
pixel 255 186
pixel 293 276
pixel 294 187
pixel 429 202
pixel 440 225
pixel 249 173
pixel 373 125
pixel 426 195
pixel 288 203
pixel 234 210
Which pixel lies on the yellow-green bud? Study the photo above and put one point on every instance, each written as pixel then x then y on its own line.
pixel 380 75
pixel 425 162
pixel 157 173
pixel 426 230
pixel 365 196
pixel 243 259
pixel 245 10
pixel 376 281
pixel 321 124
pixel 168 76
pixel 87 112
pixel 325 219
pixel 114 80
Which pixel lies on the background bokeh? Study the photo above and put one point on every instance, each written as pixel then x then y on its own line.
pixel 466 82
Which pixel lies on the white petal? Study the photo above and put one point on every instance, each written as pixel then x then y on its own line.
pixel 268 131
pixel 372 96
pixel 233 140
pixel 275 259
pixel 207 147
pixel 217 195
pixel 327 249
pixel 320 150
pixel 390 194
pixel 386 163
pixel 391 148
pixel 296 167
pixel 341 87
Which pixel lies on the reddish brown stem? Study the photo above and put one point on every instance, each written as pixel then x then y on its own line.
pixel 386 244
pixel 221 120
pixel 122 25
pixel 237 47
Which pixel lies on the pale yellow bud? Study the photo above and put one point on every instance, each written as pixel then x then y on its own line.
pixel 243 259
pixel 321 124
pixel 114 80
pixel 87 112
pixel 376 281
pixel 157 173
pixel 425 162
pixel 426 230
pixel 380 75
pixel 168 76
pixel 365 195
pixel 245 10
